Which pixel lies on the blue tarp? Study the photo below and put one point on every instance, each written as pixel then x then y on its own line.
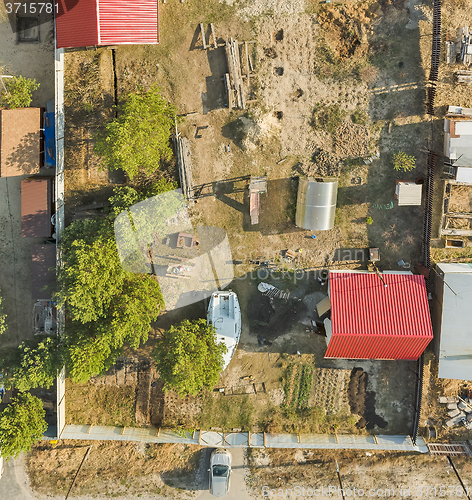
pixel 49 141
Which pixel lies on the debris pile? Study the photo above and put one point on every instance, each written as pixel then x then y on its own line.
pixel 460 50
pixel 272 292
pixel 459 410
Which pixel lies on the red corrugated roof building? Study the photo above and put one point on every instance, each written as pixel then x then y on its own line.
pixel 372 321
pixel 82 23
pixel 36 207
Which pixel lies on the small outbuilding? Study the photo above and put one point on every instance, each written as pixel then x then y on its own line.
pixel 408 193
pixel 37 207
pixel 377 316
pixel 20 141
pixel 316 203
pixel 452 319
pixel 83 23
pixel 43 274
pixel 458 143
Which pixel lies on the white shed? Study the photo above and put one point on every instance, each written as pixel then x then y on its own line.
pixel 408 193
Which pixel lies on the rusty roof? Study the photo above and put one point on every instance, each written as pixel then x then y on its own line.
pixel 19 141
pixel 36 207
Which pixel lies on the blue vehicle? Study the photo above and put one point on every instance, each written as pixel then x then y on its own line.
pixel 49 136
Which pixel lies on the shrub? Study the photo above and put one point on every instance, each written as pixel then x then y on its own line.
pixel 403 161
pixel 327 118
pixel 18 92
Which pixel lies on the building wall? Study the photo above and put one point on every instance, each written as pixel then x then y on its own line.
pixel 376 346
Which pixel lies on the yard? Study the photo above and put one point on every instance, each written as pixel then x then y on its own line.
pixel 336 91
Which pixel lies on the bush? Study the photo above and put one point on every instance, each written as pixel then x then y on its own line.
pixel 18 92
pixel 403 162
pixel 359 117
pixel 327 118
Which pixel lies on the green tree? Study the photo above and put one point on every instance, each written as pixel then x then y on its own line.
pixel 18 92
pixel 21 424
pixel 106 305
pixel 189 358
pixel 34 363
pixel 139 137
pixel 88 350
pixel 403 162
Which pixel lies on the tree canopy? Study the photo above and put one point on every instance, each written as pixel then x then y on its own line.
pixel 33 364
pixel 18 92
pixel 189 358
pixel 138 138
pixel 21 424
pixel 106 305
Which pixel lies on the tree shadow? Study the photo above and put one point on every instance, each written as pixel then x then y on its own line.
pixel 24 157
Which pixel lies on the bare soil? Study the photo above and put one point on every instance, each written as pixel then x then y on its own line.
pixel 116 469
pixel 358 469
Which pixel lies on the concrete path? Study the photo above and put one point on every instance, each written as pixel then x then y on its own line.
pixel 238 489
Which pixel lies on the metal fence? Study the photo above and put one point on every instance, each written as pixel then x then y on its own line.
pixel 59 204
pixel 245 439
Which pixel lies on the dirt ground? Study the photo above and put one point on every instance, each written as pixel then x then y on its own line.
pixel 31 60
pixel 116 470
pixel 434 414
pixel 285 469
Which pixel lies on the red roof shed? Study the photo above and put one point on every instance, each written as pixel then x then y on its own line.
pixel 372 321
pixel 36 207
pixel 80 23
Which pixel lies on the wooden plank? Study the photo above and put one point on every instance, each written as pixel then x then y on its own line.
pixel 229 92
pixel 247 65
pixel 213 35
pixel 202 30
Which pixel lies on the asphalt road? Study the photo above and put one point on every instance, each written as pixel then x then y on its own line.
pixel 238 485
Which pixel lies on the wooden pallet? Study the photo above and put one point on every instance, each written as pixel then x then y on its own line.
pixel 453 450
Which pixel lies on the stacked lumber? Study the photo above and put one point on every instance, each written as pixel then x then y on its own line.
pixel 464 76
pixel 233 79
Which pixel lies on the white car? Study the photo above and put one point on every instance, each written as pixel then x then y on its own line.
pixel 220 472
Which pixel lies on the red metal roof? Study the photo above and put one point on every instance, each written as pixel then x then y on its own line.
pixel 36 207
pixel 81 23
pixel 371 321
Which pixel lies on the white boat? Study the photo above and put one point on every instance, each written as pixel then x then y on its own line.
pixel 225 315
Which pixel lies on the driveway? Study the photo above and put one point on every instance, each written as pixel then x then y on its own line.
pixel 238 489
pixel 13 483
